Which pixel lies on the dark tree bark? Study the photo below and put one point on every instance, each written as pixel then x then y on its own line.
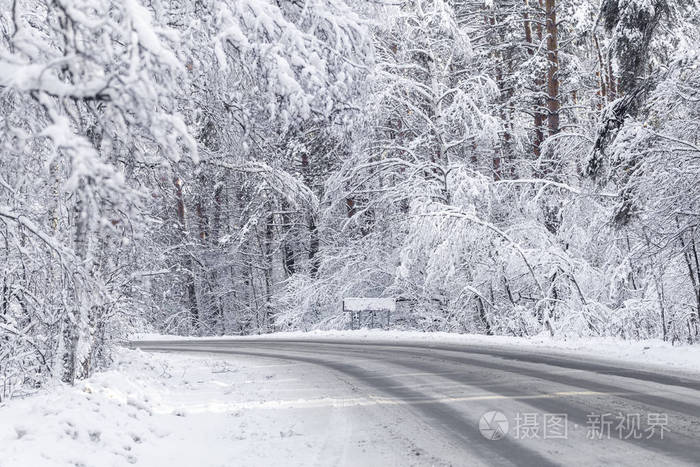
pixel 313 230
pixel 539 116
pixel 189 264
pixel 553 103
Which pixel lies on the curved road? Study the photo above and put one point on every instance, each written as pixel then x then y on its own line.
pixel 559 410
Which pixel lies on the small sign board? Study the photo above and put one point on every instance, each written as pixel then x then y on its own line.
pixel 357 305
pixel 369 304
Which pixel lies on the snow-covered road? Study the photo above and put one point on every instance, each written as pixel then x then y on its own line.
pixel 360 403
pixel 340 400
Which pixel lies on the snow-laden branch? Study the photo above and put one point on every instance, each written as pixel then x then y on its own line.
pixel 453 212
pixel 283 183
pixel 66 255
pixel 552 183
pixel 41 77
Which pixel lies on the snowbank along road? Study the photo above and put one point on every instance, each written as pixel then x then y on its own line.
pixel 472 405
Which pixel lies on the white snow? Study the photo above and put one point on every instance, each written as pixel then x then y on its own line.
pixel 39 76
pixel 156 410
pixel 174 410
pixel 141 20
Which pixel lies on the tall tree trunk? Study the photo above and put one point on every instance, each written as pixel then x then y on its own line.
pixel 288 260
pixel 612 88
pixel 313 245
pixel 539 116
pixel 215 236
pixel 73 317
pixel 269 251
pixel 495 57
pixel 313 231
pixel 553 103
pixel 601 75
pixel 187 258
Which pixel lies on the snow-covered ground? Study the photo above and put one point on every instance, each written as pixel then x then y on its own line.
pixel 174 410
pixel 183 410
pixel 646 353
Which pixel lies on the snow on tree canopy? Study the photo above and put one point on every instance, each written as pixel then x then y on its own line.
pixel 304 58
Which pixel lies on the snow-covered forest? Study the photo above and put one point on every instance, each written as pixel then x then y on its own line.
pixel 232 167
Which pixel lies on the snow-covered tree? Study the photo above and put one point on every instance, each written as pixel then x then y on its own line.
pixel 240 166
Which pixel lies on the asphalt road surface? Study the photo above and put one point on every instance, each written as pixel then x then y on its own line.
pixel 496 406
